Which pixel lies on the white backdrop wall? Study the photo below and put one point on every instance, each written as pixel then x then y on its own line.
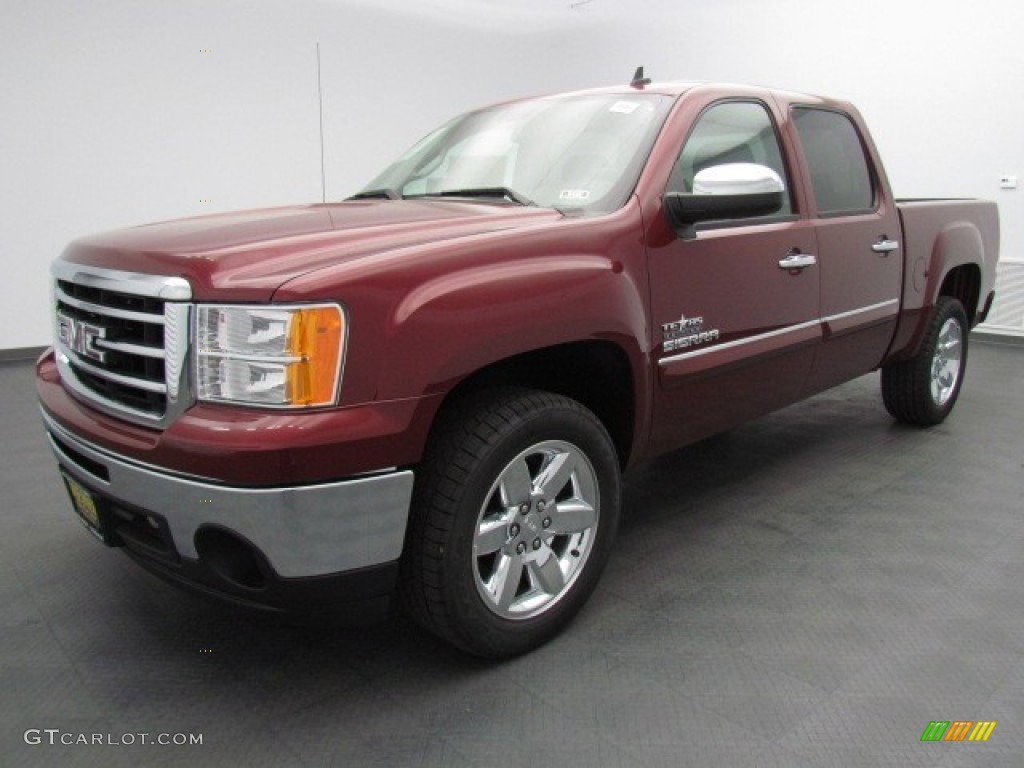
pixel 121 112
pixel 938 82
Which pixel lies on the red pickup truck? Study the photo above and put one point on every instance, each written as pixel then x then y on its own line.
pixel 431 390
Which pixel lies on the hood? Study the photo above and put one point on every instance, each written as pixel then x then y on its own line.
pixel 252 253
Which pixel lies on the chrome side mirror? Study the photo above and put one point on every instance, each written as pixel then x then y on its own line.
pixel 729 191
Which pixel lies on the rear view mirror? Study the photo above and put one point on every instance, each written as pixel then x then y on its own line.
pixel 729 191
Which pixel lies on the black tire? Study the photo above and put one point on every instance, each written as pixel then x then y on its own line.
pixel 468 528
pixel 924 389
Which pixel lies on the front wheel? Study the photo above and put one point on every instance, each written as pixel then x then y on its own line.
pixel 514 514
pixel 924 389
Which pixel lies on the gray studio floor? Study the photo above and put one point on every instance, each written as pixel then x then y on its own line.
pixel 809 590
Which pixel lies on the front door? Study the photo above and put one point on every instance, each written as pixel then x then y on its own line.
pixel 734 304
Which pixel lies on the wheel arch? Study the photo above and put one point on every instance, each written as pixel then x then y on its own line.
pixel 956 262
pixel 963 283
pixel 596 373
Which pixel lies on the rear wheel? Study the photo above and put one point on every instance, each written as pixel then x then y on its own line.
pixel 924 389
pixel 515 510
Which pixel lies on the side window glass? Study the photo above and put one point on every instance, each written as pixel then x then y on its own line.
pixel 730 132
pixel 840 175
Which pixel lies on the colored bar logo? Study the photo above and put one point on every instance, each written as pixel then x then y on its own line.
pixel 958 730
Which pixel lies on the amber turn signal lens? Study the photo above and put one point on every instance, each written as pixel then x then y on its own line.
pixel 315 338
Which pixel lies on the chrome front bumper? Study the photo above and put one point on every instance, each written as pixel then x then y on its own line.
pixel 310 530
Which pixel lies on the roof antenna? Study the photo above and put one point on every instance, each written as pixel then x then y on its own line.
pixel 639 81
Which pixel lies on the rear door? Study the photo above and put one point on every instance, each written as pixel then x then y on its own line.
pixel 859 252
pixel 735 330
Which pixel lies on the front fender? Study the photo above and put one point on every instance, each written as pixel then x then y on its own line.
pixel 423 318
pixel 447 328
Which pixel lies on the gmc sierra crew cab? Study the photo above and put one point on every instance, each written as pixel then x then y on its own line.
pixel 430 390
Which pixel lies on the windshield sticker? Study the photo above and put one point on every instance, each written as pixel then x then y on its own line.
pixel 574 195
pixel 624 107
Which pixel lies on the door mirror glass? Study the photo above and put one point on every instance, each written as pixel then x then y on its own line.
pixel 727 191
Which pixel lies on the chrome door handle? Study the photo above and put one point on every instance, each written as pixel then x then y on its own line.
pixel 798 261
pixel 885 246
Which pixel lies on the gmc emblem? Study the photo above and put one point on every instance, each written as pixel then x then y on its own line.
pixel 80 336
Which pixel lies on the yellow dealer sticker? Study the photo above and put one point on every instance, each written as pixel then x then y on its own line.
pixel 85 505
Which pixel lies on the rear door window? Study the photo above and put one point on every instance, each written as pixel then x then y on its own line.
pixel 840 174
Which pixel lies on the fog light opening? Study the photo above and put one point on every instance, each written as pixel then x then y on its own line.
pixel 231 557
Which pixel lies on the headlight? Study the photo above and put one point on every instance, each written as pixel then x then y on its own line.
pixel 270 355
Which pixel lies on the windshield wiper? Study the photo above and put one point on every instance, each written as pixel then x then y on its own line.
pixel 372 194
pixel 503 192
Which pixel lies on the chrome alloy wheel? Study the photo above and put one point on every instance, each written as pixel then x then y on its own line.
pixel 535 530
pixel 946 362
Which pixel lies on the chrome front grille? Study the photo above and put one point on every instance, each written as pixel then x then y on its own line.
pixel 122 340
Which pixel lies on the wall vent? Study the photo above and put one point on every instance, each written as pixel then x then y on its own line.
pixel 1007 315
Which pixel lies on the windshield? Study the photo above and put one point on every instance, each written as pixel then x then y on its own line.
pixel 580 154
